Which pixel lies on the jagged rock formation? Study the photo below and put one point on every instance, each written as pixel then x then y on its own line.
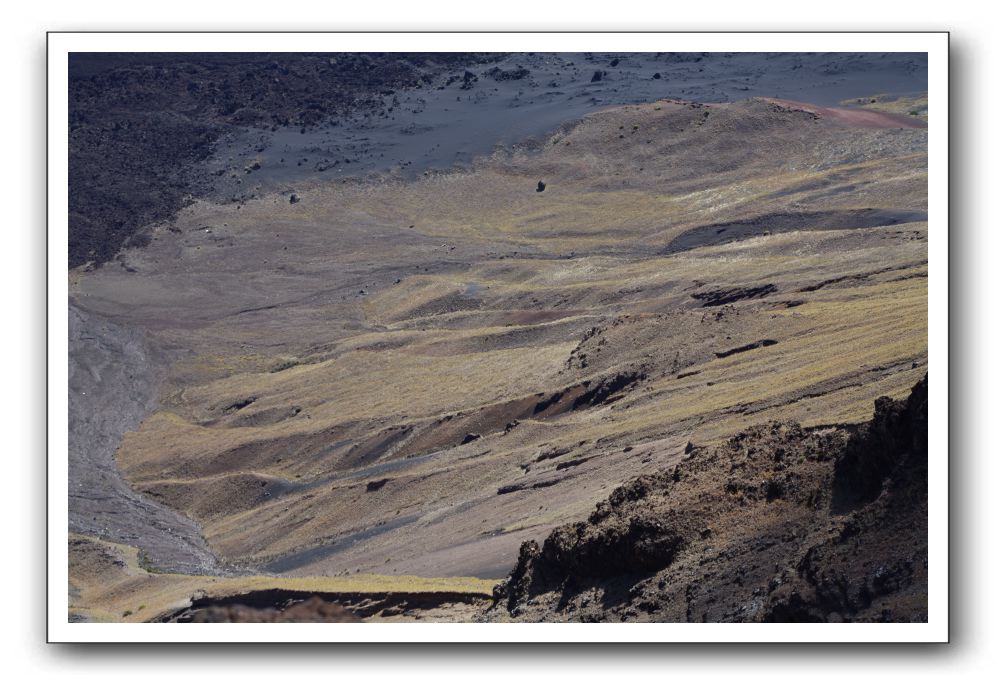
pixel 779 523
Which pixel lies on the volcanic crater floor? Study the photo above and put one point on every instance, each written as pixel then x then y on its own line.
pixel 391 379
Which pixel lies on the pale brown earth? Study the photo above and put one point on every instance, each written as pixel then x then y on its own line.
pixel 689 271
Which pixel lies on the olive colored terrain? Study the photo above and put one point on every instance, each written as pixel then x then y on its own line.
pixel 914 105
pixel 387 377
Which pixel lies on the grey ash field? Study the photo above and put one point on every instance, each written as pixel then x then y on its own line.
pixel 380 390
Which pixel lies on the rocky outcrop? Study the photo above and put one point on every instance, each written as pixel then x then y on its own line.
pixel 313 610
pixel 779 523
pixel 500 75
pixel 278 605
pixel 895 438
pixel 725 296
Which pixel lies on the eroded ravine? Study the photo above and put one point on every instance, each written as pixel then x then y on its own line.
pixel 113 385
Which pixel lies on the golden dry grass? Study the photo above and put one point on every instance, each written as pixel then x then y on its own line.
pixel 900 105
pixel 108 591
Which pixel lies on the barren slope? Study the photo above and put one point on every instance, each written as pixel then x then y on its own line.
pixel 397 377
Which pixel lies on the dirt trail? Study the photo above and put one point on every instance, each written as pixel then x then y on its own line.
pixel 113 384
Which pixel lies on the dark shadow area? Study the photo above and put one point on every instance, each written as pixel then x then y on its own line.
pixel 774 223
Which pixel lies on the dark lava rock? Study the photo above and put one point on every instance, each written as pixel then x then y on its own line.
pixel 656 76
pixel 142 126
pixel 469 79
pixel 615 62
pixel 375 485
pixel 313 610
pixel 500 75
pixel 746 348
pixel 540 186
pixel 239 405
pixel 597 76
pixel 294 199
pixel 725 296
pixel 469 438
pixel 605 390
pixel 898 431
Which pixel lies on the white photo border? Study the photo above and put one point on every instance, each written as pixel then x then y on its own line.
pixel 60 44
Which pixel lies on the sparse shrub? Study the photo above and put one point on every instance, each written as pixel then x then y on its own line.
pixel 145 562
